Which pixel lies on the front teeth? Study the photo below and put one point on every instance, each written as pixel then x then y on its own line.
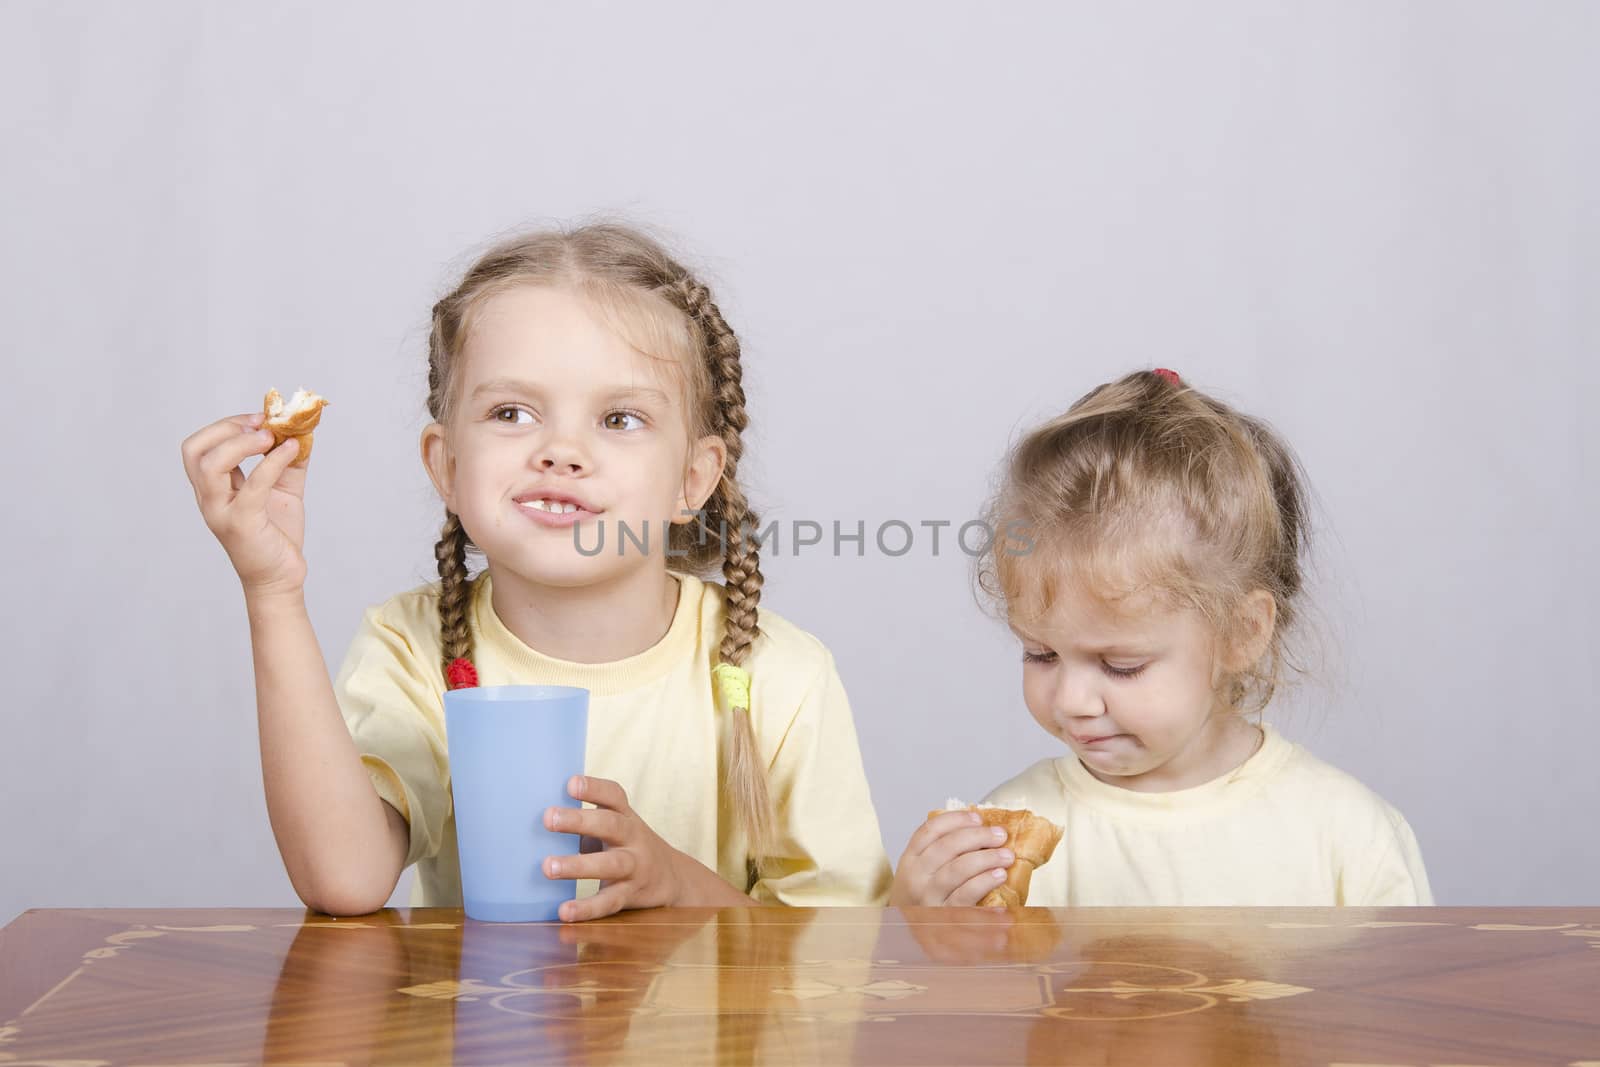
pixel 552 507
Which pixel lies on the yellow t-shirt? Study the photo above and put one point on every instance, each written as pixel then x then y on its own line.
pixel 1284 828
pixel 654 727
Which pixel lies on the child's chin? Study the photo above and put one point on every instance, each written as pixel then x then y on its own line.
pixel 570 570
pixel 1113 763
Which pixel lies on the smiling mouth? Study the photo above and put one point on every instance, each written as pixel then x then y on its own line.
pixel 551 507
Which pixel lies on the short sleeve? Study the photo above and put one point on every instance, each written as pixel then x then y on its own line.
pixel 829 850
pixel 392 703
pixel 1390 873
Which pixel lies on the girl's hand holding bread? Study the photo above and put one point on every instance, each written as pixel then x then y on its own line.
pixel 260 518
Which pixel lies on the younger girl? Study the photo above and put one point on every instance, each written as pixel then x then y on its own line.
pixel 585 391
pixel 1149 565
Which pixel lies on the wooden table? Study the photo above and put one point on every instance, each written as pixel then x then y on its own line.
pixel 832 986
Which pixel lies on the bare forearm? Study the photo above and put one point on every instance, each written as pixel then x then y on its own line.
pixel 701 887
pixel 337 837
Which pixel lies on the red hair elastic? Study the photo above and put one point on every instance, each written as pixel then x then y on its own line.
pixel 1167 375
pixel 461 674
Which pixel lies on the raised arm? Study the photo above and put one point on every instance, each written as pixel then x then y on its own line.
pixel 342 846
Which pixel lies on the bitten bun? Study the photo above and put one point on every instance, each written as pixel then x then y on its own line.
pixel 295 419
pixel 1032 838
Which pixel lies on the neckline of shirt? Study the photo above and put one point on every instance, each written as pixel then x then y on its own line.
pixel 601 679
pixel 1224 790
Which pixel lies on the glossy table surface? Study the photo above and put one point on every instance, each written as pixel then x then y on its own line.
pixel 829 986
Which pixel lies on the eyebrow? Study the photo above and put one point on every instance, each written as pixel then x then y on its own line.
pixel 639 392
pixel 526 388
pixel 503 385
pixel 1139 646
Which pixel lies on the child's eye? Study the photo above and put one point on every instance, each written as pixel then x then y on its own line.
pixel 1038 657
pixel 510 414
pixel 618 420
pixel 1124 672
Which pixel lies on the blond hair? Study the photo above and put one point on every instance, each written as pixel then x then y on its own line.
pixel 1147 485
pixel 664 311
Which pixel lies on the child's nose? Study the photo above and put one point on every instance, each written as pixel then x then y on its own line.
pixel 561 454
pixel 560 462
pixel 1077 696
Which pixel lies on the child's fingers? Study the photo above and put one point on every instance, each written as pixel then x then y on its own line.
pixel 961 871
pixel 937 826
pixel 601 792
pixel 211 472
pixel 974 889
pixel 231 451
pixel 949 863
pixel 612 866
pixel 963 841
pixel 608 826
pixel 608 901
pixel 206 438
pixel 273 469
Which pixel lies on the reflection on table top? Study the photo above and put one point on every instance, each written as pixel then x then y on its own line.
pixel 845 985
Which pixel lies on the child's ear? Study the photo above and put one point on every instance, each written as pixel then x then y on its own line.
pixel 1257 619
pixel 707 460
pixel 440 462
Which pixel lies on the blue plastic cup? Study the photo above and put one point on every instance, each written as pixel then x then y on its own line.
pixel 512 750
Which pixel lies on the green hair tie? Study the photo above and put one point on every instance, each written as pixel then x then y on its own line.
pixel 733 685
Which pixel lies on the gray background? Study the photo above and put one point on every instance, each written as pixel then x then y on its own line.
pixel 933 224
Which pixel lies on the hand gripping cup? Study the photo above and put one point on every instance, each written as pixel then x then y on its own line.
pixel 512 750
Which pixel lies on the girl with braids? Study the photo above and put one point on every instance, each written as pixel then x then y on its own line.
pixel 1154 586
pixel 584 390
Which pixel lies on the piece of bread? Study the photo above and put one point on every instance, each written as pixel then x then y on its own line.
pixel 296 419
pixel 1032 838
